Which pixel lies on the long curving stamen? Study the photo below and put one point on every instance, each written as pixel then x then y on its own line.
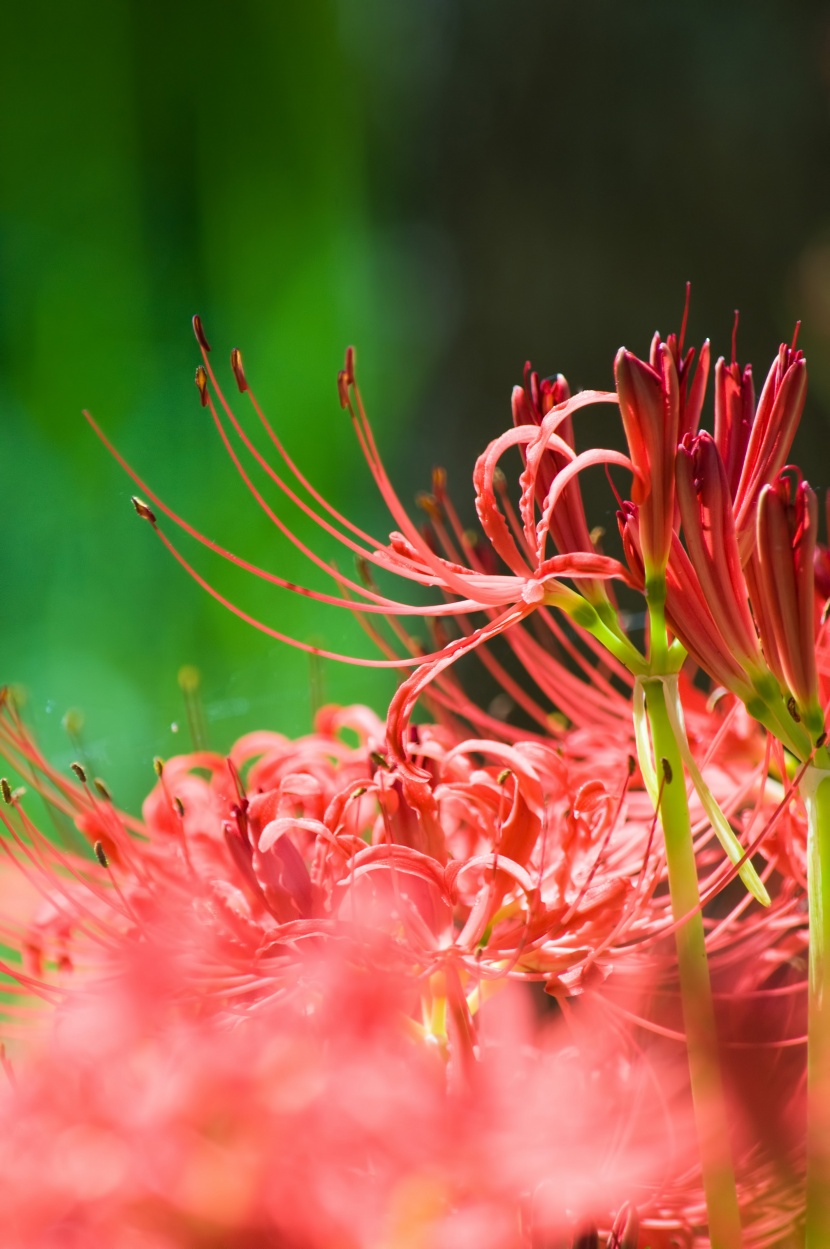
pixel 379 603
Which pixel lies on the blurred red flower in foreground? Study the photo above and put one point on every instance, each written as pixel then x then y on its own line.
pixel 154 1118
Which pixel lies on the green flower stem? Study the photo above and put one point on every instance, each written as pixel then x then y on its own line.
pixel 696 991
pixel 815 788
pixel 658 634
pixel 588 618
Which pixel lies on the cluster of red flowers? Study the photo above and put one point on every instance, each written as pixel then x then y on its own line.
pixel 401 985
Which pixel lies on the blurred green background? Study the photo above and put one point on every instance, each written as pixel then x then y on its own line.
pixel 452 185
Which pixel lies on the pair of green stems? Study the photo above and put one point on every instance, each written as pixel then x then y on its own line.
pixel 670 752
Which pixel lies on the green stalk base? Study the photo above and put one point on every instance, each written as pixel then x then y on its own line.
pixel 695 987
pixel 816 790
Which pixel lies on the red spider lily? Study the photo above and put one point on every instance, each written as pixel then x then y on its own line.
pixel 536 869
pixel 294 960
pixel 533 581
pixel 311 1108
pixel 530 866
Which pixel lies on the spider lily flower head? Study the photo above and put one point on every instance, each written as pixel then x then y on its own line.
pixel 784 590
pixel 446 560
pixel 529 867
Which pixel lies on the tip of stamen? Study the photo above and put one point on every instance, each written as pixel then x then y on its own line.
pixel 189 678
pixel 429 504
pixel 179 805
pixel 143 510
pixel 667 771
pixel 5 790
pixel 345 378
pixel 238 371
pixel 364 572
pixel 201 382
pixel 101 854
pixel 73 721
pixel 158 766
pixel 79 771
pixel 102 788
pixel 439 484
pixel 200 333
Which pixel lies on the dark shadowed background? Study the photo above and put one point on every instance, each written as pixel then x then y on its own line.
pixel 452 185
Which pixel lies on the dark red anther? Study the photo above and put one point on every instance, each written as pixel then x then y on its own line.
pixel 238 371
pixel 345 378
pixel 429 504
pixel 77 768
pixel 102 788
pixel 439 485
pixel 200 333
pixel 6 791
pixel 143 510
pixel 101 854
pixel 202 383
